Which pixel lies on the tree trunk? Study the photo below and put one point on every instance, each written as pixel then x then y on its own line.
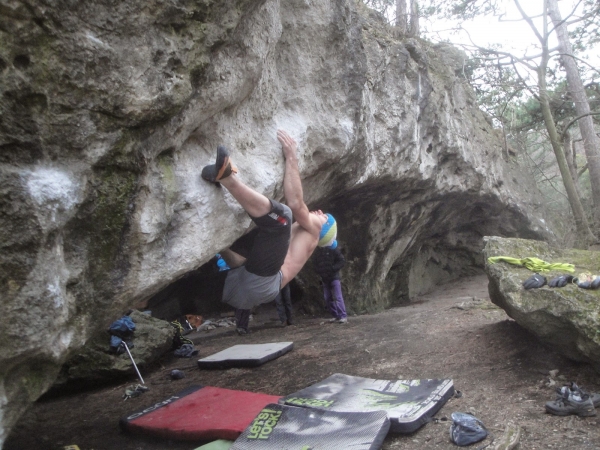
pixel 401 17
pixel 413 26
pixel 582 106
pixel 585 238
pixel 571 162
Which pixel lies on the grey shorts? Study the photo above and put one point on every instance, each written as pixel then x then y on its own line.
pixel 244 290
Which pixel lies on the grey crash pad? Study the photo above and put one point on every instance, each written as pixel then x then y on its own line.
pixel 245 355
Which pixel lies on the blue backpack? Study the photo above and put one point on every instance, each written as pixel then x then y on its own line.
pixel 123 327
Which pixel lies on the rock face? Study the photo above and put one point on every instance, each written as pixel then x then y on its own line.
pixel 110 109
pixel 567 318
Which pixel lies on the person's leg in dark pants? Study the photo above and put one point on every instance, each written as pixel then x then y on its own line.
pixel 287 303
pixel 242 320
pixel 338 300
pixel 327 295
pixel 283 302
pixel 280 308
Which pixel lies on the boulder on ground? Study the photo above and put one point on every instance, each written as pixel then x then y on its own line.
pixel 566 318
pixel 95 363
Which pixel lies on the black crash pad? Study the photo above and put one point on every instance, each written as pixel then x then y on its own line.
pixel 279 427
pixel 408 403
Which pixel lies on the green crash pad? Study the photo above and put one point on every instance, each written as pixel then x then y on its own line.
pixel 219 444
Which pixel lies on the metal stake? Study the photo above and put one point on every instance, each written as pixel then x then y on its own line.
pixel 132 361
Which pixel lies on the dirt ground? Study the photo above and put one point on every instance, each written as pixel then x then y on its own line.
pixel 501 370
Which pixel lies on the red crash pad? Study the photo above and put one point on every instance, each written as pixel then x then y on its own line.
pixel 199 413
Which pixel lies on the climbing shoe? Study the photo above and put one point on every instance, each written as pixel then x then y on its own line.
pixel 243 331
pixel 534 281
pixel 560 281
pixel 571 402
pixel 344 320
pixel 575 390
pixel 222 168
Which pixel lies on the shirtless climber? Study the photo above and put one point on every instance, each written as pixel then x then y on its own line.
pixel 280 248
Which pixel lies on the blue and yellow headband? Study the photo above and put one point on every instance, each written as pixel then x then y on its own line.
pixel 328 232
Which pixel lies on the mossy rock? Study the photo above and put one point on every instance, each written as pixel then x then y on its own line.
pixel 152 339
pixel 568 318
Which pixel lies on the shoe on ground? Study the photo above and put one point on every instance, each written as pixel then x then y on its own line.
pixel 222 168
pixel 344 320
pixel 332 320
pixel 290 323
pixel 242 331
pixel 594 396
pixel 570 404
pixel 575 390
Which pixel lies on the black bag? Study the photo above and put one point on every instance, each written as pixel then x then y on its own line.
pixel 466 429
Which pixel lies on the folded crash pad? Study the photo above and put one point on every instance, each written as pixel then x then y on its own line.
pixel 279 427
pixel 199 413
pixel 245 355
pixel 408 403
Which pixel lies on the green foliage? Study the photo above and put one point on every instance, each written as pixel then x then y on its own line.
pixel 527 136
pixel 513 106
pixel 385 7
pixel 459 10
pixel 380 5
pixel 507 89
pixel 495 85
pixel 587 32
pixel 388 9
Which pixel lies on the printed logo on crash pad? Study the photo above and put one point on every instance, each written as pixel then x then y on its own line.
pixel 311 402
pixel 173 398
pixel 153 407
pixel 386 400
pixel 263 425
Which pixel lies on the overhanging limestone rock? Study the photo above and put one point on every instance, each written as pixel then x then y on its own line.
pixel 568 318
pixel 109 111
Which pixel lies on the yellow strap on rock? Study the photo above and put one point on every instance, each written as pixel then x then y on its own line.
pixel 533 264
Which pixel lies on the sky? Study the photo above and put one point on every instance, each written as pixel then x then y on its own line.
pixel 511 31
